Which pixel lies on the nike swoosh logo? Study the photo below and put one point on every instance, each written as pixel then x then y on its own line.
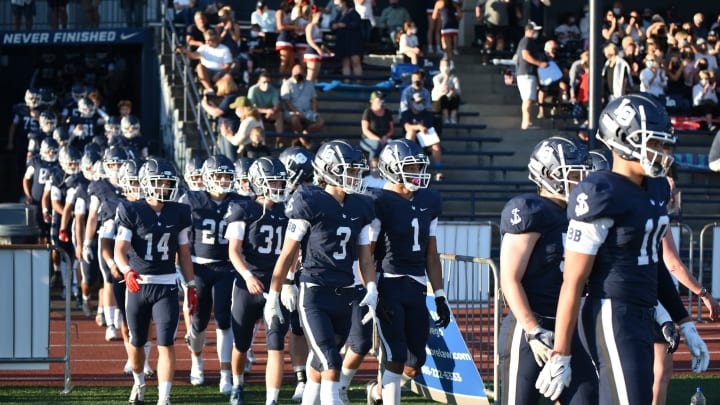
pixel 354 219
pixel 424 209
pixel 124 37
pixel 168 226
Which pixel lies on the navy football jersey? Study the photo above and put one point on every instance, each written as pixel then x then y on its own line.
pixel 207 237
pixel 103 190
pixel 264 234
pixel 89 128
pixel 328 248
pixel 24 121
pixel 405 229
pixel 529 213
pixel 42 171
pixel 625 266
pixel 108 208
pixel 154 235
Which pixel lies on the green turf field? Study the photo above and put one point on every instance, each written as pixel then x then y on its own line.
pixel 681 388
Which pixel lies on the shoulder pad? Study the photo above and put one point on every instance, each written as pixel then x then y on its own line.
pixel 522 214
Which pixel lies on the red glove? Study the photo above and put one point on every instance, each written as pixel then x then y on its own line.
pixel 192 300
pixel 64 237
pixel 131 280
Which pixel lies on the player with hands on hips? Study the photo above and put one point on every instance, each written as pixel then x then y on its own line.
pixel 150 234
pixel 531 259
pixel 617 221
pixel 405 250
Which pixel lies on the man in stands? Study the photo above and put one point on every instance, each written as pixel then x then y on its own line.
pixel 300 102
pixel 266 99
pixel 417 121
pixel 528 60
pixel 215 60
pixel 417 86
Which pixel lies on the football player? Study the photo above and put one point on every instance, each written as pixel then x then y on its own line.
pixel 213 270
pixel 617 219
pixel 84 126
pixel 405 251
pixel 46 128
pixel 242 183
pixel 24 122
pixel 531 255
pixel 131 136
pixel 331 225
pixel 151 232
pixel 255 232
pixel 37 174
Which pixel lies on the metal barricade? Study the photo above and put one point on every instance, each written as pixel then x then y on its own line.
pixel 476 304
pixel 715 262
pixel 25 291
pixel 685 241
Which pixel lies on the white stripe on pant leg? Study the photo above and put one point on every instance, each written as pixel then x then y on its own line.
pixel 308 331
pixel 615 363
pixel 514 367
pixel 383 341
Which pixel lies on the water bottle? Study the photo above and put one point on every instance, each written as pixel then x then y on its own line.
pixel 698 398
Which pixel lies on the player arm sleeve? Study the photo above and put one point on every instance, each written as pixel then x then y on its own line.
pixel 587 237
pixel 433 227
pixel 235 230
pixel 107 231
pixel 184 236
pixel 55 194
pixel 29 172
pixel 374 230
pixel 668 295
pixel 94 204
pixel 80 206
pixel 364 236
pixel 297 228
pixel 124 233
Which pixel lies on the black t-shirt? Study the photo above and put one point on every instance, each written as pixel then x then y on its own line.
pixel 194 32
pixel 524 67
pixel 379 125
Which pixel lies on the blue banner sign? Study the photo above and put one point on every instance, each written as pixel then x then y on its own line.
pixel 449 374
pixel 78 37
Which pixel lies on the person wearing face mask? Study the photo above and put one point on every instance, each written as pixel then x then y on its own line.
pixel 264 17
pixel 300 102
pixel 446 92
pixel 616 73
pixel 713 43
pixel 408 42
pixel 417 86
pixel 653 78
pixel 634 28
pixel 701 52
pixel 612 27
pixel 705 99
pixel 228 30
pixel 266 100
pixel 529 58
pixel 418 119
pixel 392 18
pixel 377 125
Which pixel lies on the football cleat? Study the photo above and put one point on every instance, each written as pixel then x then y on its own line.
pixel 226 386
pixel 298 393
pixel 197 375
pixel 111 334
pixel 128 368
pixel 370 390
pixel 137 395
pixel 236 395
pixel 100 320
pixel 148 371
pixel 343 394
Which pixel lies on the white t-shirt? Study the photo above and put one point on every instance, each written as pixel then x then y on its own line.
pixel 657 87
pixel 214 58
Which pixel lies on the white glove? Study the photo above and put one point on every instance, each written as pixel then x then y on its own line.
pixel 87 252
pixel 541 343
pixel 288 296
pixel 371 296
pixel 554 377
pixel 272 308
pixel 697 347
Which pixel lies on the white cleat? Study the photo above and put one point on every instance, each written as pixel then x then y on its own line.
pixel 148 371
pixel 197 376
pixel 226 387
pixel 111 334
pixel 299 390
pixel 137 395
pixel 127 369
pixel 343 394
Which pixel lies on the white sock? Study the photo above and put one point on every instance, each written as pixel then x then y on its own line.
pixel 197 340
pixel 404 379
pixel 346 376
pixel 329 392
pixel 86 298
pixel 391 388
pixel 117 318
pixel 127 348
pixel 109 312
pixel 311 395
pixel 238 380
pixel 147 347
pixel 224 344
pixel 101 310
pixel 164 390
pixel 139 378
pixel 271 394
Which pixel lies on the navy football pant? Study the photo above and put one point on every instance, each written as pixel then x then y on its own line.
pixel 247 309
pixel 158 302
pixel 214 291
pixel 360 338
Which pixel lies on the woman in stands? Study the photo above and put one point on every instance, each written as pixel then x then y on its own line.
pixel 377 126
pixel 433 32
pixel 349 42
pixel 285 43
pixel 301 18
pixel 446 92
pixel 315 48
pixel 408 42
pixel 448 13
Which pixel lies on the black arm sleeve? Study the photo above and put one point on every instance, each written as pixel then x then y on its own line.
pixel 668 295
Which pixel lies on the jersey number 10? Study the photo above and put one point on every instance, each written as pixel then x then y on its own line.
pixel 652 236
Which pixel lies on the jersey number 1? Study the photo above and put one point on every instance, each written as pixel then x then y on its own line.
pixel 653 236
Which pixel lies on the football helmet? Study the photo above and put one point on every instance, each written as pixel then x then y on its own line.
pixel 32 98
pixel 269 178
pixel 69 158
pixel 298 164
pixel 130 126
pixel 60 135
pixel 394 159
pixel 47 121
pixel 242 183
pixel 86 107
pixel 158 180
pixel 601 159
pixel 340 163
pixel 49 150
pixel 556 163
pixel 47 97
pixel 78 91
pixel 87 163
pixel 218 174
pixel 637 127
pixel 112 126
pixel 113 159
pixel 193 174
pixel 129 180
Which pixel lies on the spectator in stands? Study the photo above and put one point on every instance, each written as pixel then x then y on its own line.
pixel 701 52
pixel 264 17
pixel 417 85
pixel 713 43
pixel 377 126
pixel 58 14
pixel 195 36
pixel 210 8
pixel 585 26
pixel 658 31
pixel 249 119
pixel 558 89
pixel 448 14
pixel 408 42
pixel 183 12
pixel 266 100
pixel 653 79
pixel 646 19
pixel 631 54
pixel 418 120
pixel 529 58
pixel 433 28
pixel 495 15
pixel 633 29
pixel 301 17
pixel 124 108
pixel 617 77
pixel 674 70
pixel 612 30
pixel 705 99
pixel 134 11
pixel 568 33
pixel 315 49
pixel 578 79
pixel 300 102
pixel 23 8
pixel 699 30
pixel 392 19
pixel 256 148
pixel 215 60
pixel 228 91
pixel 373 179
pixel 227 128
pixel 364 9
pixel 285 43
pixel 250 51
pixel 446 92
pixel 349 41
pixel 228 30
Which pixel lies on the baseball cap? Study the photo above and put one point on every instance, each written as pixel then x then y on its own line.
pixel 377 94
pixel 700 41
pixel 532 26
pixel 712 33
pixel 260 4
pixel 241 101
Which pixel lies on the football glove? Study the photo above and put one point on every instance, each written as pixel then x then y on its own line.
pixel 131 280
pixel 192 300
pixel 662 317
pixel 63 236
pixel 554 377
pixel 697 347
pixel 272 308
pixel 371 296
pixel 541 343
pixel 443 310
pixel 289 295
pixel 87 252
